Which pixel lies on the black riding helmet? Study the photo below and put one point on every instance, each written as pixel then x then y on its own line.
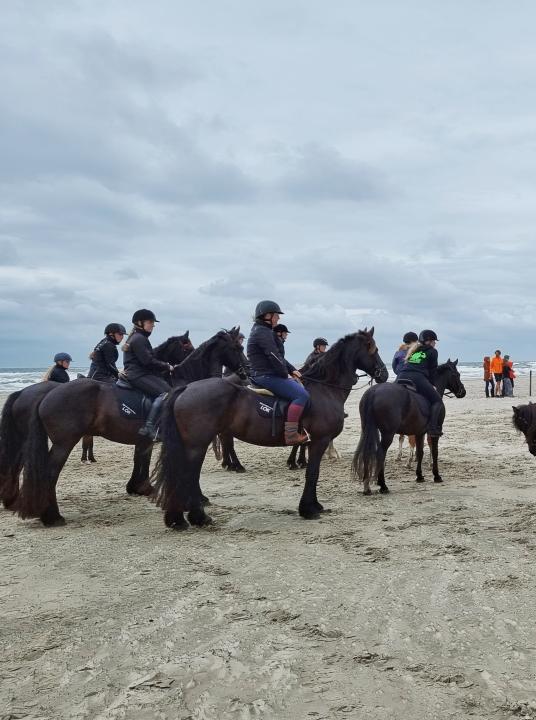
pixel 267 306
pixel 142 315
pixel 410 337
pixel 281 329
pixel 427 335
pixel 115 328
pixel 319 341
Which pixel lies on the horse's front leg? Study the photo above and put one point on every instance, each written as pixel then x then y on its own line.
pixel 387 439
pixel 400 446
pixel 419 447
pixel 291 461
pixel 309 507
pixel 139 480
pixel 434 449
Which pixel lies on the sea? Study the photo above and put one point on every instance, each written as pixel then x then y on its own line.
pixel 12 379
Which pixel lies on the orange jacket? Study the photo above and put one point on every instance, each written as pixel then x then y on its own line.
pixel 496 364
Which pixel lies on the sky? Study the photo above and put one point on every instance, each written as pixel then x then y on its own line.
pixel 363 164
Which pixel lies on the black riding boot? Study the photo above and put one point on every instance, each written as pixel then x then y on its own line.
pixel 150 429
pixel 435 422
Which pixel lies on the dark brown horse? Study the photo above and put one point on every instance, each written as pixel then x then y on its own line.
pixel 524 420
pixel 15 421
pixel 394 409
pixel 173 351
pixel 87 407
pixel 194 415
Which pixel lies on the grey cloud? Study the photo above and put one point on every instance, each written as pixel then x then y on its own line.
pixel 126 273
pixel 8 252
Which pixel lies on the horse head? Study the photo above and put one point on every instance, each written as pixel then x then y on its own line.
pixel 523 420
pixel 452 379
pixel 370 360
pixel 231 352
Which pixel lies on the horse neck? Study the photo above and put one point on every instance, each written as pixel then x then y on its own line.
pixel 441 382
pixel 203 363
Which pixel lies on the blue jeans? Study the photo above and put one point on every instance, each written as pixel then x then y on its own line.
pixel 284 387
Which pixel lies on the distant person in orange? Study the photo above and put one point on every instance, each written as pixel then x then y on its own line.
pixel 488 378
pixel 496 368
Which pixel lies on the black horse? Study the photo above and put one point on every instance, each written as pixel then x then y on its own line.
pixel 15 421
pixel 87 407
pixel 394 409
pixel 173 351
pixel 524 420
pixel 194 415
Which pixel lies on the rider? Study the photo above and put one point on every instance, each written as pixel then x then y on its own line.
pixel 320 346
pixel 400 354
pixel 270 370
pixel 58 372
pixel 420 367
pixel 143 370
pixel 104 356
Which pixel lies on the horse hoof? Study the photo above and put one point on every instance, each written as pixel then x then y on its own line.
pixel 302 465
pixel 199 518
pixel 292 466
pixel 367 492
pixel 419 480
pixel 175 521
pixel 438 479
pixel 384 490
pixel 57 521
pixel 143 490
pixel 240 469
pixel 92 460
pixel 205 500
pixel 310 515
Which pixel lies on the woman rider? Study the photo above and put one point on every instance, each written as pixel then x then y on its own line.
pixel 420 367
pixel 104 357
pixel 400 355
pixel 270 370
pixel 58 372
pixel 143 370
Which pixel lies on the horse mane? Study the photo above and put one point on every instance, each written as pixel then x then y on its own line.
pixel 192 366
pixel 334 361
pixel 523 417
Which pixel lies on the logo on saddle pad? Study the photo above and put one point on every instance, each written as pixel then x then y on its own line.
pixel 127 410
pixel 264 408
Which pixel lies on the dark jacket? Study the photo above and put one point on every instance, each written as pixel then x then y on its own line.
pixel 399 358
pixel 423 360
pixel 103 365
pixel 59 374
pixel 139 359
pixel 310 360
pixel 264 352
pixel 281 345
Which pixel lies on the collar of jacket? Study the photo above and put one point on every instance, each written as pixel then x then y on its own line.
pixel 143 332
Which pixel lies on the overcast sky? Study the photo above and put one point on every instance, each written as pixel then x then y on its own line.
pixel 361 163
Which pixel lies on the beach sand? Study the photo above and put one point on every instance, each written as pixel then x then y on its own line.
pixel 419 604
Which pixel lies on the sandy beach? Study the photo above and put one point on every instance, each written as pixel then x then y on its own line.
pixel 415 605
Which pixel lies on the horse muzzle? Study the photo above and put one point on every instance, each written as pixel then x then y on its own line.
pixel 381 374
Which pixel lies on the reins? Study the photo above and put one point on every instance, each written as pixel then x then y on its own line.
pixel 340 387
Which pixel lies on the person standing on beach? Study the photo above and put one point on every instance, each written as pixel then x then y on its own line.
pixel 488 378
pixel 508 377
pixel 496 368
pixel 58 372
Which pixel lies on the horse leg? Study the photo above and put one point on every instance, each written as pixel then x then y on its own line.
pixel 138 483
pixel 387 439
pixel 430 457
pixel 291 462
pixel 434 449
pixel 309 507
pixel 400 446
pixel 333 453
pixel 419 447
pixel 302 458
pixel 57 457
pixel 411 458
pixel 235 462
pixel 87 450
pixel 91 456
pixel 197 515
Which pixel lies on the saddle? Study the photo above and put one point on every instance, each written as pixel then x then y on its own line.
pixel 409 384
pixel 132 403
pixel 270 407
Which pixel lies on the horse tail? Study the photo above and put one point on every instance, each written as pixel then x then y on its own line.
pixel 367 455
pixel 34 497
pixel 171 475
pixel 11 443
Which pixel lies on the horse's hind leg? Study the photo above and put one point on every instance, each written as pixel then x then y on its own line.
pixel 291 461
pixel 419 447
pixel 333 453
pixel 302 456
pixel 197 515
pixel 386 441
pixel 400 446
pixel 57 457
pixel 87 450
pixel 434 449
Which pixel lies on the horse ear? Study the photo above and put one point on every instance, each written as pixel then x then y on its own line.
pixel 456 361
pixel 187 334
pixel 515 409
pixel 448 360
pixel 238 329
pixel 371 331
pixel 365 330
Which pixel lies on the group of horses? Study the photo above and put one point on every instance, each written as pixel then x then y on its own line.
pixel 41 425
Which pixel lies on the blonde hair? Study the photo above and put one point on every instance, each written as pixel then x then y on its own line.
pixel 48 373
pixel 411 349
pixel 125 347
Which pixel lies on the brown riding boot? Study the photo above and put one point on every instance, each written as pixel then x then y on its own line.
pixel 292 436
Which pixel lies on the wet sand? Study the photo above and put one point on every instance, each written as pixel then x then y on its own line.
pixel 419 604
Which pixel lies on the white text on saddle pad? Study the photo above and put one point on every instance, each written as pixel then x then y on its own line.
pixel 127 410
pixel 265 408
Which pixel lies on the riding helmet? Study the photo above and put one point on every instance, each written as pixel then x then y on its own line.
pixel 115 328
pixel 142 315
pixel 267 306
pixel 281 329
pixel 59 357
pixel 320 341
pixel 410 337
pixel 427 335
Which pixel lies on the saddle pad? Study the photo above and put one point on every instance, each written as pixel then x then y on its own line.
pixel 409 384
pixel 269 407
pixel 260 391
pixel 132 403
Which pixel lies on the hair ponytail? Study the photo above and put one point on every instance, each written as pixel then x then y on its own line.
pixel 48 373
pixel 411 349
pixel 126 347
